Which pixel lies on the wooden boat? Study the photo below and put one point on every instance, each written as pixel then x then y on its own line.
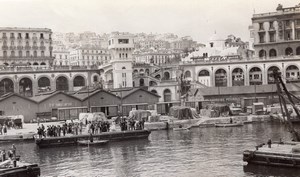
pixel 238 124
pixel 180 129
pixel 94 143
pixel 278 155
pixel 72 140
pixel 7 169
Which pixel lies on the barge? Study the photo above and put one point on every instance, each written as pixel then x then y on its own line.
pixel 21 169
pixel 281 154
pixel 73 140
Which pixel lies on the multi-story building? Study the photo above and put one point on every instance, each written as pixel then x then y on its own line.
pixel 61 54
pixel 89 55
pixel 25 46
pixel 277 33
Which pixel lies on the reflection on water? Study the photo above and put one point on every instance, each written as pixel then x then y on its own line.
pixel 198 152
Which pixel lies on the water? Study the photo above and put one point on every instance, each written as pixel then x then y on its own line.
pixel 199 152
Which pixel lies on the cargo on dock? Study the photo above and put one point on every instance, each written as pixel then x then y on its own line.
pixel 110 136
pixel 281 154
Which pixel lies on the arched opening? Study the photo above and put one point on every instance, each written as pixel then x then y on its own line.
pixel 141 70
pixel 298 50
pixel 255 76
pixel 262 54
pixel 43 63
pixel 157 76
pixel 6 86
pixel 238 77
pixel 288 51
pixel 147 71
pixel 44 84
pixel 221 78
pixel 167 95
pixel 154 91
pixel 142 82
pixel 272 53
pixel 204 78
pixel 187 74
pixel 28 63
pixel 95 79
pixel 271 79
pixel 135 72
pixel 79 81
pixel 62 84
pixel 35 64
pixel 25 87
pixel 166 75
pixel 152 83
pixel 292 74
pixel 6 64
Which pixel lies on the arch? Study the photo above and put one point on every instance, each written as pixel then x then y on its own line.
pixel 288 51
pixel 141 70
pixel 157 76
pixel 142 82
pixel 167 95
pixel 187 74
pixel 238 77
pixel 154 91
pixel 298 50
pixel 78 81
pixel 28 63
pixel 62 83
pixel 44 84
pixel 123 67
pixel 43 63
pixel 270 74
pixel 25 87
pixel 95 78
pixel 272 53
pixel 6 86
pixel 255 76
pixel 135 72
pixel 221 78
pixel 166 75
pixel 203 72
pixel 262 54
pixel 292 74
pixel 147 71
pixel 6 64
pixel 35 64
pixel 152 83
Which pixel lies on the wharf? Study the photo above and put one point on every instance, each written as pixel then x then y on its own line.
pixel 278 155
pixel 110 136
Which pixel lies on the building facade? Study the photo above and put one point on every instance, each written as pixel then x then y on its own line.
pixel 26 46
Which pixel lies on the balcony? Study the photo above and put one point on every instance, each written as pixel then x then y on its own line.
pixel 12 37
pixel 27 47
pixel 4 47
pixel 42 48
pixel 4 37
pixel 20 38
pixel 35 47
pixel 20 47
pixel 12 48
pixel 34 38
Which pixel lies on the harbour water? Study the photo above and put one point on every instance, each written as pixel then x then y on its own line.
pixel 199 152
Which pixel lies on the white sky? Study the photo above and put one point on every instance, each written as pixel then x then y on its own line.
pixel 197 18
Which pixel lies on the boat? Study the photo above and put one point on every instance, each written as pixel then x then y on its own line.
pixel 238 124
pixel 278 154
pixel 11 168
pixel 180 129
pixel 94 143
pixel 72 140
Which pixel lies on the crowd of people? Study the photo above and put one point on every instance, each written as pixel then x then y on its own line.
pixel 58 130
pixel 10 153
pixel 131 124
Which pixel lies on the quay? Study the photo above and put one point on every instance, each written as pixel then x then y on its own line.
pixel 281 154
pixel 110 136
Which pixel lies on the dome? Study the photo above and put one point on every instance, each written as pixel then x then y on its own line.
pixel 215 37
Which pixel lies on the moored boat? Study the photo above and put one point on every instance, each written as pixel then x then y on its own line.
pixel 238 124
pixel 180 129
pixel 10 168
pixel 94 143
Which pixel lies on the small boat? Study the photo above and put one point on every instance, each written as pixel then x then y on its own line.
pixel 179 129
pixel 94 143
pixel 238 124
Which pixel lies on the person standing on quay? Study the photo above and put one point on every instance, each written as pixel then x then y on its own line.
pixel 1 129
pixel 5 129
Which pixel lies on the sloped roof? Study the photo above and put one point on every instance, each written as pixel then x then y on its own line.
pixel 130 92
pixel 18 95
pixel 42 98
pixel 85 95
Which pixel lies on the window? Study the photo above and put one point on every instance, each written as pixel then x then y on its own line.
pixel 4 35
pixel 66 57
pixel 27 53
pixel 261 26
pixel 34 54
pixel 271 25
pixel 126 55
pixel 262 38
pixel 123 41
pixel 42 53
pixel 27 36
pixel 12 54
pixel 42 36
pixel 120 56
pixel 297 22
pixel 12 43
pixel 19 35
pixel 60 56
pixel 12 35
pixel 272 37
pixel 4 53
pixel 288 23
pixel 20 53
pixel 42 43
pixel 34 43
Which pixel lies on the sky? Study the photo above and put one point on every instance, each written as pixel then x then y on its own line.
pixel 199 19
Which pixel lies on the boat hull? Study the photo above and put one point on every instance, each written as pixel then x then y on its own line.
pixel 229 125
pixel 110 136
pixel 24 171
pixel 94 143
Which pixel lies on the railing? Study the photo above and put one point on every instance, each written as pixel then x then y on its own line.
pixel 35 47
pixel 42 47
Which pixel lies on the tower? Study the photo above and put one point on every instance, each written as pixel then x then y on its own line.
pixel 121 46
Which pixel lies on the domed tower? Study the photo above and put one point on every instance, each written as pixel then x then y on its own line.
pixel 121 46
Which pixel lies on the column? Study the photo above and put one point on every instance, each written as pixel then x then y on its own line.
pixel 212 77
pixel 229 78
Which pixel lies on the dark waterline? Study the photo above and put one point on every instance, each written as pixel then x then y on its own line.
pixel 198 152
